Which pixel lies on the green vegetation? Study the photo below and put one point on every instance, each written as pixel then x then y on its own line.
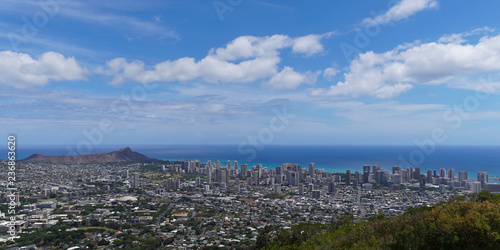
pixel 464 222
pixel 274 196
pixel 96 229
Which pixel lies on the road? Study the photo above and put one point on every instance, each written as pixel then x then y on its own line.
pixel 163 214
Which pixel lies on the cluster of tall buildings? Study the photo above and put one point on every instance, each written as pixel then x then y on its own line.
pixel 290 174
pixel 377 175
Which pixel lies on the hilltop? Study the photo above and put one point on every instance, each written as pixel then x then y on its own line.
pixel 464 222
pixel 120 156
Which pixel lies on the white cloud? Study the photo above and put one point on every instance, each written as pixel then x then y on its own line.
pixel 308 45
pixel 245 59
pixel 460 38
pixel 389 74
pixel 402 10
pixel 330 72
pixel 20 70
pixel 290 79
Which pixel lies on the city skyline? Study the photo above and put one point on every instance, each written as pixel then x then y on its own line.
pixel 224 72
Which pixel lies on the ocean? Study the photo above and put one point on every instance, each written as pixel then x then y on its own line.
pixel 332 158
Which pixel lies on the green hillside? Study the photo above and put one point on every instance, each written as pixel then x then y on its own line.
pixel 465 222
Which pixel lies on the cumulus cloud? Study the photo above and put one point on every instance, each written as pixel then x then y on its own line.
pixel 245 59
pixel 330 72
pixel 290 79
pixel 402 10
pixel 389 74
pixel 308 45
pixel 20 70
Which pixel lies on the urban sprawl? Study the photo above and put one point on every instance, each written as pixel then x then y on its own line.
pixel 193 204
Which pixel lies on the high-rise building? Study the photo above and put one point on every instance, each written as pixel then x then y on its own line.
pixel 217 164
pixel 348 177
pixel 417 174
pixel 312 170
pixel 442 173
pixel 224 176
pixel 278 170
pixel 256 177
pixel 366 168
pixel 136 180
pixel 331 187
pixel 277 188
pixel 125 174
pixel 228 164
pixel 397 179
pixel 366 176
pixel 462 176
pixel 293 178
pixel 429 176
pixel 244 169
pixel 451 174
pixel 376 168
pixel 482 177
pixel 475 186
pixel 209 176
pixel 422 182
pixel 301 189
pixel 236 165
pixel 409 173
pixel 316 194
pixel 382 177
pixel 357 178
pixel 396 170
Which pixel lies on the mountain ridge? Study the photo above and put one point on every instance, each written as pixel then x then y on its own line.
pixel 124 155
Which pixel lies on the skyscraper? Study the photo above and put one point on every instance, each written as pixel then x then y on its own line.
pixel 366 168
pixel 417 174
pixel 316 194
pixel 366 176
pixel 125 174
pixel 396 170
pixel 228 164
pixel 244 169
pixel 331 187
pixel 293 178
pixel 236 165
pixel 225 176
pixel 136 180
pixel 312 170
pixel 256 177
pixel 462 176
pixel 451 174
pixel 442 173
pixel 348 177
pixel 409 173
pixel 482 177
pixel 429 176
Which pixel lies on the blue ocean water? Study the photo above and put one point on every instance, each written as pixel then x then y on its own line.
pixel 332 158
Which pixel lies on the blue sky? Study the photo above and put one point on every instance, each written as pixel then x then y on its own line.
pixel 228 72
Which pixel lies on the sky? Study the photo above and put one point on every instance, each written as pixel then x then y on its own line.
pixel 250 72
